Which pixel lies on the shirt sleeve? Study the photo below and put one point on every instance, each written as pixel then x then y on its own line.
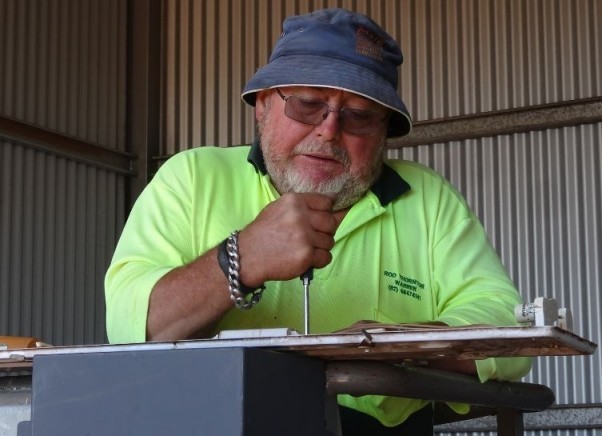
pixel 473 287
pixel 155 239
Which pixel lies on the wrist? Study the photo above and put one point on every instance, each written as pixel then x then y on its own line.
pixel 250 271
pixel 222 258
pixel 244 297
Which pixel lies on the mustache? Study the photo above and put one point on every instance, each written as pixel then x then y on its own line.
pixel 327 149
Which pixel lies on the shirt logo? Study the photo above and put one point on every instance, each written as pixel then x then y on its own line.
pixel 400 284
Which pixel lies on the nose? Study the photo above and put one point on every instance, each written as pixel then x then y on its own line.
pixel 330 128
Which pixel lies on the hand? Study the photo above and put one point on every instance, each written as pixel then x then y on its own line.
pixel 288 237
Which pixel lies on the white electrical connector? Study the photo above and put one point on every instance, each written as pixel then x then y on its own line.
pixel 544 312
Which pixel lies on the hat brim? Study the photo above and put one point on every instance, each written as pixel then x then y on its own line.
pixel 320 71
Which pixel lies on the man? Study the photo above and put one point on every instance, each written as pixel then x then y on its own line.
pixel 218 242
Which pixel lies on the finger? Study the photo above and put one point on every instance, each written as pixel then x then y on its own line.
pixel 321 258
pixel 324 222
pixel 322 241
pixel 317 201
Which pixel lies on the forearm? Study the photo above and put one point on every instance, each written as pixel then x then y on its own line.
pixel 150 298
pixel 188 301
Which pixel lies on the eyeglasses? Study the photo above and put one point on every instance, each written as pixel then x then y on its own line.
pixel 312 111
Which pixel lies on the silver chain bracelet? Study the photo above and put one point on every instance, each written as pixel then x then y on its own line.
pixel 240 300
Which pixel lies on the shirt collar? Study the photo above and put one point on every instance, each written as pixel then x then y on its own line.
pixel 255 157
pixel 387 187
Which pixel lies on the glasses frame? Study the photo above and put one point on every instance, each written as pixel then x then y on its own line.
pixel 327 110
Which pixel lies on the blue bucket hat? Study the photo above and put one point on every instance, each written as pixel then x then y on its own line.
pixel 336 48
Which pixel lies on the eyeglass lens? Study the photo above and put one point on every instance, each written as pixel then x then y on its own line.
pixel 313 112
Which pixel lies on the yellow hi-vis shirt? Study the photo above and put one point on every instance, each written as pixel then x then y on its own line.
pixel 409 251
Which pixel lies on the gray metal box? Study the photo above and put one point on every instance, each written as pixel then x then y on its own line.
pixel 231 391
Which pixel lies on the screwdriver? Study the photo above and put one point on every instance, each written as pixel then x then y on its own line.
pixel 306 278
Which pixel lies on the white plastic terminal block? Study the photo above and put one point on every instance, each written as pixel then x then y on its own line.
pixel 544 312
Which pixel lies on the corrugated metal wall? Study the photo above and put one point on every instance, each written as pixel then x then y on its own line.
pixel 57 237
pixel 538 193
pixel 539 196
pixel 461 57
pixel 62 68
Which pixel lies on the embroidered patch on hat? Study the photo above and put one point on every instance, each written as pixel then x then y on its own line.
pixel 369 44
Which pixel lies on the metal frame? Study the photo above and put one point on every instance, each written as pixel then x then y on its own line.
pixel 397 346
pixel 487 124
pixel 144 90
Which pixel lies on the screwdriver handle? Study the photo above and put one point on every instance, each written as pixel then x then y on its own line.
pixel 306 278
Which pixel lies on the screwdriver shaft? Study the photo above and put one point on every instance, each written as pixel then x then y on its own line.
pixel 306 291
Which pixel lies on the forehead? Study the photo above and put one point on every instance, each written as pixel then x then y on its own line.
pixel 324 93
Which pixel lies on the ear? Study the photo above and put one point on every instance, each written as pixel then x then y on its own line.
pixel 261 104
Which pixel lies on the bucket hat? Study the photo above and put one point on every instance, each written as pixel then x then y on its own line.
pixel 336 48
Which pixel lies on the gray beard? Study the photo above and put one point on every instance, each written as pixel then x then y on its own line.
pixel 347 188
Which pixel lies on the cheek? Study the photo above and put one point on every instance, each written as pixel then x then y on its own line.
pixel 362 155
pixel 281 136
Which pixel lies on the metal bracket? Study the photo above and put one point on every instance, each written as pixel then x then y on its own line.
pixel 544 312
